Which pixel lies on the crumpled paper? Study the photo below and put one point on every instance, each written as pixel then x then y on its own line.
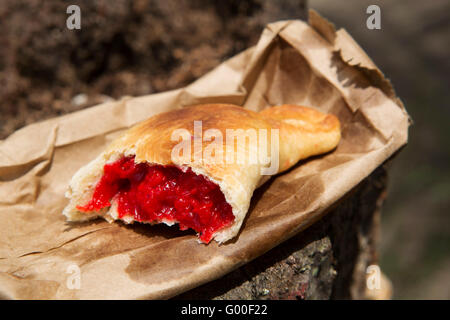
pixel 44 257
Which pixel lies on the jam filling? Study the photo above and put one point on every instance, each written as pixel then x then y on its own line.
pixel 155 193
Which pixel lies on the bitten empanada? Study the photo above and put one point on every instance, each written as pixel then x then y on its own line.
pixel 197 166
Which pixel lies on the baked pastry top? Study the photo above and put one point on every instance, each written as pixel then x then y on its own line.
pixel 197 166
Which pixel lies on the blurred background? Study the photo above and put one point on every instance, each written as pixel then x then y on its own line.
pixel 141 47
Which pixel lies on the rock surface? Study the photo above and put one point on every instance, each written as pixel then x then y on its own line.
pixel 326 261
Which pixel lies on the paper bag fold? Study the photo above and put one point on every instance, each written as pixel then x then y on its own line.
pixel 43 257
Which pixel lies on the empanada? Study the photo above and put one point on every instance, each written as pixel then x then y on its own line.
pixel 197 166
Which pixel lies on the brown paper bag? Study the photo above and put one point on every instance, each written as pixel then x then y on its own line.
pixel 43 257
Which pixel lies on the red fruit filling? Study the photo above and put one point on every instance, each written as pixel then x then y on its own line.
pixel 155 193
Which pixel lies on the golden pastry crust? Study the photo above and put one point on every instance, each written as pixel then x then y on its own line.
pixel 303 132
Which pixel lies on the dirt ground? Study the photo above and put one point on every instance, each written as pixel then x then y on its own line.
pixel 123 48
pixel 144 46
